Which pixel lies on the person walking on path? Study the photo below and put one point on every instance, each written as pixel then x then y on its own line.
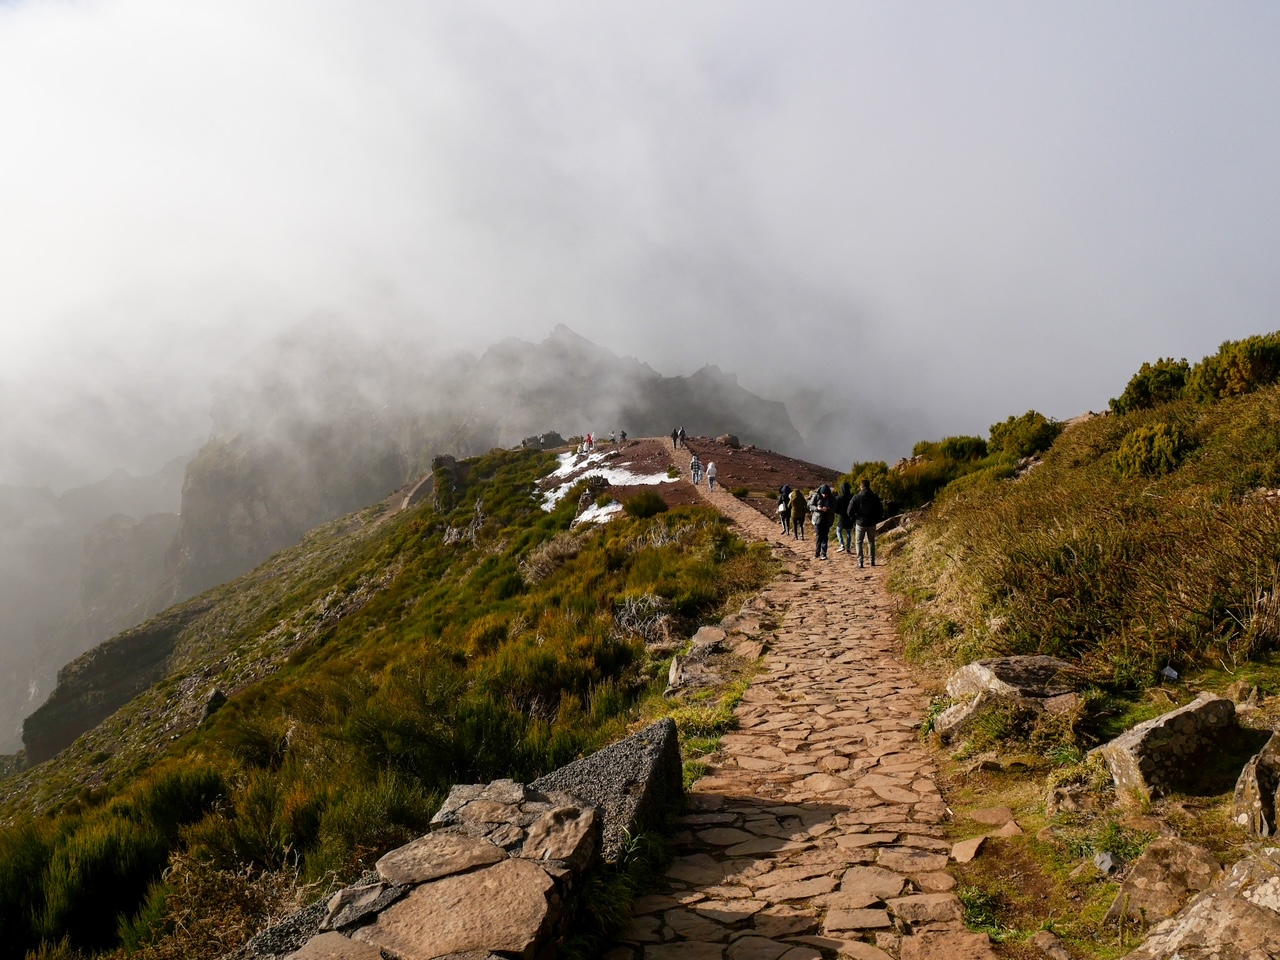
pixel 866 510
pixel 695 469
pixel 784 507
pixel 675 438
pixel 799 507
pixel 823 504
pixel 711 477
pixel 681 436
pixel 844 525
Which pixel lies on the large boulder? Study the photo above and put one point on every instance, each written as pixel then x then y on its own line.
pixel 1236 919
pixel 1167 874
pixel 633 782
pixel 1165 754
pixel 1254 806
pixel 1019 676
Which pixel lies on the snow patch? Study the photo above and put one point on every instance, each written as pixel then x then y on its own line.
pixel 576 467
pixel 598 514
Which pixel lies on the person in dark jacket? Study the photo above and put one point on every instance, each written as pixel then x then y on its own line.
pixel 866 510
pixel 823 505
pixel 799 507
pixel 784 507
pixel 844 525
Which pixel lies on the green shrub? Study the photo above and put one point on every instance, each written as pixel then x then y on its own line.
pixel 741 492
pixel 1024 436
pixel 963 448
pixel 645 504
pixel 1239 366
pixel 97 874
pixel 1154 384
pixel 1149 450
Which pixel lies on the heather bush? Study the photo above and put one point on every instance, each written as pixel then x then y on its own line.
pixel 1239 367
pixel 1149 450
pixel 645 504
pixel 1154 384
pixel 1024 436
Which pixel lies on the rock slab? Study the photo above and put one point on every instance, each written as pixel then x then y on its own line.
pixel 1018 676
pixel 501 908
pixel 1167 874
pixel 1161 755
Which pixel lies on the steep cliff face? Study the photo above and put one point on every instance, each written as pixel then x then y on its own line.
pixel 73 568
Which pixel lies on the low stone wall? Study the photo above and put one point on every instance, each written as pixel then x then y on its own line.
pixel 500 870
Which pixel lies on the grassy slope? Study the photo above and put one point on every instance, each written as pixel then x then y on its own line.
pixel 1123 575
pixel 368 669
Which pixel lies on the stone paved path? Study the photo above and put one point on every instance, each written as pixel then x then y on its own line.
pixel 817 832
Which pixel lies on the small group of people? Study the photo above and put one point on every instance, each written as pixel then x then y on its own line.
pixel 854 515
pixel 697 472
pixel 677 438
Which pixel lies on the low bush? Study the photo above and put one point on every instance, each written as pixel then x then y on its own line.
pixel 1024 436
pixel 1239 367
pixel 1154 384
pixel 645 504
pixel 1149 450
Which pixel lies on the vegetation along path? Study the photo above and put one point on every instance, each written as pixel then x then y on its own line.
pixel 817 833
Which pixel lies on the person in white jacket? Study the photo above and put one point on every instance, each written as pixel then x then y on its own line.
pixel 711 476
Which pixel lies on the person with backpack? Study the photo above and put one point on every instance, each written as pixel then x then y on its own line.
pixel 866 511
pixel 799 507
pixel 823 506
pixel 711 477
pixel 784 507
pixel 844 525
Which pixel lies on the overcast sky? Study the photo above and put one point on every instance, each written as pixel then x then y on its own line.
pixel 937 214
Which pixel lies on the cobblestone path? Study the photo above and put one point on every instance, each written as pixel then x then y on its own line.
pixel 817 832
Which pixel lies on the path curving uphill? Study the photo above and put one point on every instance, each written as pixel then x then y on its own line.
pixel 817 833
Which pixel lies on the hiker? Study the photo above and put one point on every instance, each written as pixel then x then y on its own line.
pixel 822 504
pixel 798 509
pixel 613 436
pixel 866 510
pixel 784 507
pixel 695 468
pixel 675 438
pixel 844 523
pixel 711 477
pixel 591 442
pixel 624 436
pixel 681 437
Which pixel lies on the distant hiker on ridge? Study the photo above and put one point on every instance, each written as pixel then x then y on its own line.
pixel 844 523
pixel 711 477
pixel 822 504
pixel 675 437
pixel 784 507
pixel 866 511
pixel 681 436
pixel 798 509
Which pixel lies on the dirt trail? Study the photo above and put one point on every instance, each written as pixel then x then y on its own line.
pixel 817 832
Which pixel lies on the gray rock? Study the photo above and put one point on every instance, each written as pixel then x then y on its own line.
pixel 633 782
pixel 1236 919
pixel 1020 676
pixel 958 718
pixel 362 899
pixel 1049 945
pixel 285 937
pixel 1254 805
pixel 569 833
pixel 1164 754
pixel 1167 874
pixel 1105 862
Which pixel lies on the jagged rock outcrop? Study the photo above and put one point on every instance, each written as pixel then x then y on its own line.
pixel 1254 803
pixel 631 781
pixel 1236 919
pixel 1165 753
pixel 1161 880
